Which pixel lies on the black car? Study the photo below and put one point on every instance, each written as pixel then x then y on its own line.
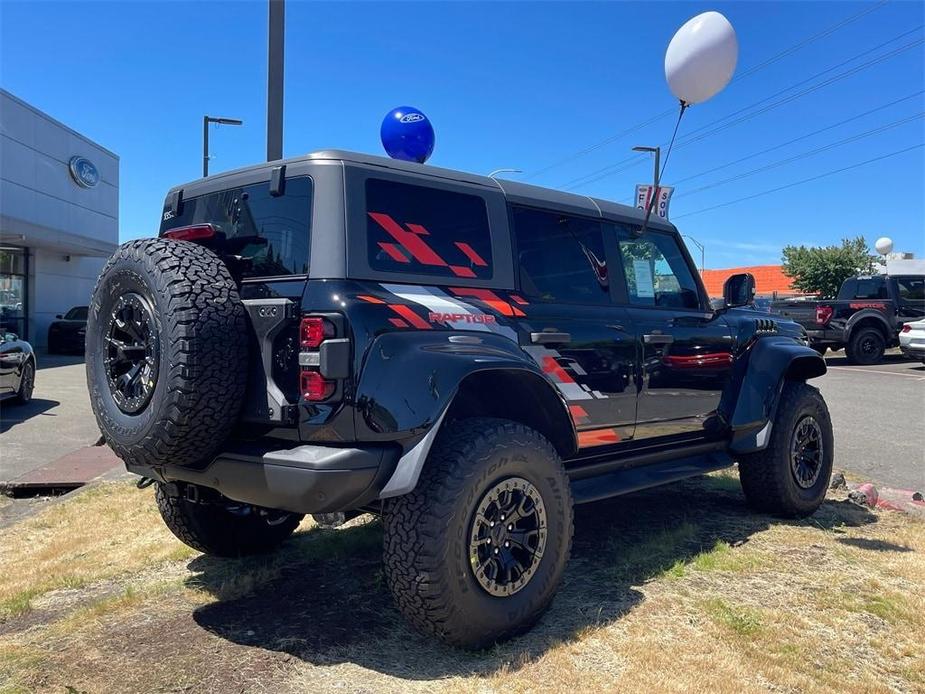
pixel 67 333
pixel 17 368
pixel 466 357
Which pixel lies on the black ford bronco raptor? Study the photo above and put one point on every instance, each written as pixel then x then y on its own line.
pixel 464 356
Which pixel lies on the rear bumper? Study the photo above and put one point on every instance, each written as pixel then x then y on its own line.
pixel 913 351
pixel 825 337
pixel 302 479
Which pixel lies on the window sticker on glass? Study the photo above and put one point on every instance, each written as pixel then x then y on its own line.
pixel 645 287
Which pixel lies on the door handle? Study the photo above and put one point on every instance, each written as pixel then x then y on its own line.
pixel 547 338
pixel 657 339
pixel 618 328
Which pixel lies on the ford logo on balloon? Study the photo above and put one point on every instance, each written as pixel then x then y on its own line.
pixel 407 134
pixel 84 172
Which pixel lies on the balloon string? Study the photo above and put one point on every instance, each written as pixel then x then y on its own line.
pixel 684 106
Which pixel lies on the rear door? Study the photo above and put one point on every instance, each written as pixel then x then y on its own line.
pixel 685 348
pixel 572 327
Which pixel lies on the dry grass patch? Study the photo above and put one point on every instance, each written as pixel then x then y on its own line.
pixel 676 590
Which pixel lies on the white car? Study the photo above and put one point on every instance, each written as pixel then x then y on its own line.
pixel 912 340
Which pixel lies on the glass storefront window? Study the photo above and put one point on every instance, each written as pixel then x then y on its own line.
pixel 13 290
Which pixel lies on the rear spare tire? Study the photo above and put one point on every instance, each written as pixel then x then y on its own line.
pixel 166 352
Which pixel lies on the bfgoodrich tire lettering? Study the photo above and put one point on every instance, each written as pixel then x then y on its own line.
pixel 428 532
pixel 199 326
pixel 771 479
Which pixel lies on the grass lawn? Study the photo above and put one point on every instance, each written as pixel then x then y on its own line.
pixel 676 589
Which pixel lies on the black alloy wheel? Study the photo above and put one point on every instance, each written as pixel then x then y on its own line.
pixel 507 536
pixel 132 353
pixel 806 452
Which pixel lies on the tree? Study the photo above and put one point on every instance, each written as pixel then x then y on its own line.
pixel 821 270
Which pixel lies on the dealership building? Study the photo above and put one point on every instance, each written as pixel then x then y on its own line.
pixel 59 217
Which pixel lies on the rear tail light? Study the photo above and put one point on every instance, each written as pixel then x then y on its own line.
pixel 823 314
pixel 315 387
pixel 313 331
pixel 906 328
pixel 193 232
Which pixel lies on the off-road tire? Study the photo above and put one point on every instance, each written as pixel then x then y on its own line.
pixel 26 384
pixel 865 347
pixel 426 547
pixel 768 481
pixel 201 331
pixel 224 529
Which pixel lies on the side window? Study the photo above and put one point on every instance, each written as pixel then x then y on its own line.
pixel 657 273
pixel 561 258
pixel 422 230
pixel 911 288
pixel 873 288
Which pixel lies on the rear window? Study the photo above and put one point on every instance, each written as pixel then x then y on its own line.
pixel 271 233
pixel 874 288
pixel 429 231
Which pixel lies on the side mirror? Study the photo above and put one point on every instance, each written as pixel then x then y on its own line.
pixel 59 316
pixel 739 290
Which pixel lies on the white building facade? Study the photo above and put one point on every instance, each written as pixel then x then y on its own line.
pixel 59 217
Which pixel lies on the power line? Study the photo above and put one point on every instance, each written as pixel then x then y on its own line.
pixel 692 137
pixel 805 180
pixel 664 114
pixel 804 155
pixel 795 140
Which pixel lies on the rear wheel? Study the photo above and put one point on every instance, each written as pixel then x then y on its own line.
pixel 866 346
pixel 476 552
pixel 221 527
pixel 791 475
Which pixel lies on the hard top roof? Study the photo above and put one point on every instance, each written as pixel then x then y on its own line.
pixel 514 191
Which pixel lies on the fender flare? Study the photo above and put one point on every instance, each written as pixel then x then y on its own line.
pixel 410 381
pixel 869 314
pixel 772 361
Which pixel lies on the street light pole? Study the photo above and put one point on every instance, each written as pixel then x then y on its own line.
pixel 275 43
pixel 700 246
pixel 205 137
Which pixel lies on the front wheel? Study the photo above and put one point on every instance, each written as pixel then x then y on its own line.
pixel 476 552
pixel 26 383
pixel 791 475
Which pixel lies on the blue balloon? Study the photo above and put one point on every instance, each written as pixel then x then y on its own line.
pixel 407 134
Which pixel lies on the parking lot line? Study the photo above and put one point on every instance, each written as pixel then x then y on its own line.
pixel 875 371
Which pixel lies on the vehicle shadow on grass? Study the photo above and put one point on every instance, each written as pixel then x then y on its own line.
pixel 329 602
pixel 12 414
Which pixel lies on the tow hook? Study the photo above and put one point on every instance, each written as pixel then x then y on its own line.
pixel 191 493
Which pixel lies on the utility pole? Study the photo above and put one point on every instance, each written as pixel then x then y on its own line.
pixel 275 44
pixel 700 246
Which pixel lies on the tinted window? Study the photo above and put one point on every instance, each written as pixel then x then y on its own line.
pixel 421 230
pixel 873 288
pixel 657 273
pixel 561 257
pixel 911 288
pixel 272 233
pixel 76 313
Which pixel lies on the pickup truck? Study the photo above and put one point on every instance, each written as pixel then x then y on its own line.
pixel 864 319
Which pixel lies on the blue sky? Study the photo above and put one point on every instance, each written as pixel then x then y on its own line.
pixel 525 85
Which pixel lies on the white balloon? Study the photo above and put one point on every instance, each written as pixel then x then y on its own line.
pixel 701 57
pixel 884 245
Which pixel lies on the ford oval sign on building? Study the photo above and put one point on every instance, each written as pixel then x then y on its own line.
pixel 84 172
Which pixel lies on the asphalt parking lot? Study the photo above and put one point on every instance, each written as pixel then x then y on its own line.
pixel 57 421
pixel 878 413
